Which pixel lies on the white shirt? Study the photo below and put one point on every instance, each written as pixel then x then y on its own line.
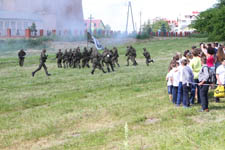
pixel 181 73
pixel 175 76
pixel 169 77
pixel 221 72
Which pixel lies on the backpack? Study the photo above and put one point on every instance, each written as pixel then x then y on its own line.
pixel 212 76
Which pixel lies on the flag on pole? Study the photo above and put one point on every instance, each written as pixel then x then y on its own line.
pixel 93 40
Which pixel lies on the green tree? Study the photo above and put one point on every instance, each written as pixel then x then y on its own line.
pixel 33 29
pixel 159 24
pixel 147 28
pixel 145 31
pixel 212 22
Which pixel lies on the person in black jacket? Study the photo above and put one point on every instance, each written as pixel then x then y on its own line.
pixel 21 56
pixel 43 59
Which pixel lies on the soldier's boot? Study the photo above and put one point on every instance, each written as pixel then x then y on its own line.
pixel 93 71
pixel 112 67
pixel 127 62
pixel 108 69
pixel 103 70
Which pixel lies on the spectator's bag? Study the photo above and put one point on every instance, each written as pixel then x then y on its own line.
pixel 219 92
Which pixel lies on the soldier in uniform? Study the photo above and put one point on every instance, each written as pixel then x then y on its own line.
pixel 96 60
pixel 107 59
pixel 115 56
pixel 59 57
pixel 131 55
pixel 85 58
pixel 70 58
pixel 21 56
pixel 66 59
pixel 78 57
pixel 148 57
pixel 43 59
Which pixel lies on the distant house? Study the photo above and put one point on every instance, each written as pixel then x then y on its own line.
pixel 17 22
pixel 95 25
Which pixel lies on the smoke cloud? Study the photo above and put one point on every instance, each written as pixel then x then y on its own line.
pixel 58 14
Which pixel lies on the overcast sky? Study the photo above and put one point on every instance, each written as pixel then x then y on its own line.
pixel 114 12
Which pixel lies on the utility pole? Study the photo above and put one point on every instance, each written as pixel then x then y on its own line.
pixel 132 17
pixel 140 22
pixel 90 23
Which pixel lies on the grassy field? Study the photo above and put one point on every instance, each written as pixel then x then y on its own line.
pixel 128 109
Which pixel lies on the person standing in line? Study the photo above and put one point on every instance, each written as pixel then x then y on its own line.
pixel 220 75
pixel 187 79
pixel 204 85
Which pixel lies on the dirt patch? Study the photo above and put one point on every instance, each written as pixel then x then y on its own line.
pixel 151 121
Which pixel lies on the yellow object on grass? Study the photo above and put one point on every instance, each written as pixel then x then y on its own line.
pixel 219 92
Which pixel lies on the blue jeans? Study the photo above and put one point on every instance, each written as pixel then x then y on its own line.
pixel 186 91
pixel 180 93
pixel 193 89
pixel 175 89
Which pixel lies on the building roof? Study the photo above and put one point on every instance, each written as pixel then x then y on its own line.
pixel 19 15
pixel 97 21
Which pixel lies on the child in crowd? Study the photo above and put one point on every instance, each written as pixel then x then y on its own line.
pixel 203 84
pixel 175 79
pixel 220 75
pixel 195 64
pixel 169 82
pixel 187 79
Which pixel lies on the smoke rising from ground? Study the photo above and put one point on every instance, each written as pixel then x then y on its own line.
pixel 63 14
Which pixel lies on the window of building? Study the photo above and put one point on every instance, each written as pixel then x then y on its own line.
pixel 13 25
pixel 19 25
pixel 6 25
pixel 25 25
pixel 1 25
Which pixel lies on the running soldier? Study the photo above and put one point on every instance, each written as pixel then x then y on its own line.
pixel 43 59
pixel 147 57
pixel 115 57
pixel 21 56
pixel 107 59
pixel 131 55
pixel 96 60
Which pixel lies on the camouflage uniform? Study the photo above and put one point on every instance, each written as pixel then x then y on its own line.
pixel 78 57
pixel 148 57
pixel 43 59
pixel 21 56
pixel 59 57
pixel 66 59
pixel 107 59
pixel 96 60
pixel 85 58
pixel 131 55
pixel 115 57
pixel 70 58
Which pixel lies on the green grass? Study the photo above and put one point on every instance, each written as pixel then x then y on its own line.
pixel 73 109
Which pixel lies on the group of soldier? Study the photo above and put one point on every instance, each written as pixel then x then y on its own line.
pixel 77 59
